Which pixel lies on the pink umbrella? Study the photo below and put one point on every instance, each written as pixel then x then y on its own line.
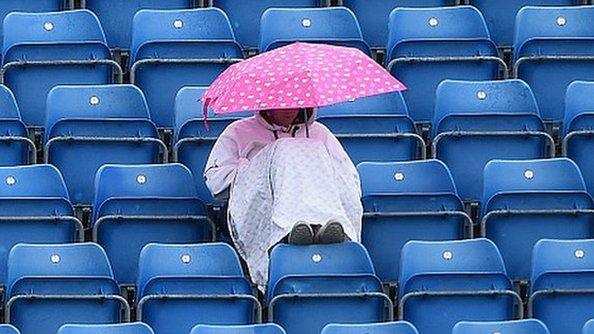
pixel 300 75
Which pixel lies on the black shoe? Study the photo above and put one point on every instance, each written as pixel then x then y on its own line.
pixel 301 234
pixel 331 233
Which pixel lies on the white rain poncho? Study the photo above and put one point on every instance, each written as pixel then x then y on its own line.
pixel 275 183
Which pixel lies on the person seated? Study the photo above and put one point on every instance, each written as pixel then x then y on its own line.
pixel 288 178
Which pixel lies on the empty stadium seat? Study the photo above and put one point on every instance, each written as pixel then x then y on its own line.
pixel 250 329
pixel 116 16
pixel 400 327
pixel 528 200
pixel 373 16
pixel 179 48
pixel 337 26
pixel 132 328
pixel 375 128
pixel 8 329
pixel 562 285
pixel 477 121
pixel 8 6
pixel 52 285
pixel 42 50
pixel 408 201
pixel 245 16
pixel 89 126
pixel 501 15
pixel 137 205
pixel 577 128
pixel 588 327
pixel 193 139
pixel 529 326
pixel 552 48
pixel 442 283
pixel 312 286
pixel 15 146
pixel 428 45
pixel 198 284
pixel 34 208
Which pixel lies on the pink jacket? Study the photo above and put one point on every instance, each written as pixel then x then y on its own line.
pixel 243 139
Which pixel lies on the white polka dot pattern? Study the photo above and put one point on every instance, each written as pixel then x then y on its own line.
pixel 301 75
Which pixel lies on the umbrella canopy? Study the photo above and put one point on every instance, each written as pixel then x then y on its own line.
pixel 300 75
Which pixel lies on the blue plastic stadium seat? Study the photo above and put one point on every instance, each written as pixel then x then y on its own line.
pixel 442 283
pixel 529 326
pixel 36 47
pixel 406 201
pixel 478 121
pixel 34 208
pixel 245 16
pixel 578 126
pixel 89 126
pixel 336 26
pixel 177 48
pixel 15 146
pixel 198 284
pixel 194 140
pixel 551 49
pixel 501 15
pixel 420 42
pixel 137 205
pixel 528 200
pixel 373 16
pixel 375 128
pixel 312 286
pixel 116 16
pixel 400 327
pixel 562 284
pixel 8 329
pixel 249 329
pixel 52 285
pixel 8 6
pixel 588 327
pixel 131 328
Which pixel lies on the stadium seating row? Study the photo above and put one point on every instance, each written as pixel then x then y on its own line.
pixel 441 284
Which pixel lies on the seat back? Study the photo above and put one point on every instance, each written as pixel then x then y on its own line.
pixel 578 121
pixel 14 147
pixel 105 124
pixel 371 128
pixel 251 329
pixel 50 285
pixel 37 192
pixel 8 329
pixel 51 38
pixel 374 16
pixel 501 17
pixel 588 327
pixel 337 26
pixel 160 200
pixel 437 32
pixel 172 278
pixel 567 267
pixel 9 6
pixel 477 107
pixel 425 191
pixel 245 16
pixel 553 32
pixel 400 327
pixel 525 185
pixel 116 16
pixel 132 328
pixel 457 280
pixel 528 326
pixel 197 39
pixel 322 272
pixel 195 138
